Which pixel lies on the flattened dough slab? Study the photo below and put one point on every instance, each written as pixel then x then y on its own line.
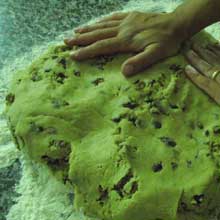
pixel 139 148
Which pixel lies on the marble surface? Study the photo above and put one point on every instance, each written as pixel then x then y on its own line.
pixel 24 24
pixel 9 177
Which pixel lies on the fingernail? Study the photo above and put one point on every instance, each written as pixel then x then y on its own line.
pixel 128 70
pixel 191 70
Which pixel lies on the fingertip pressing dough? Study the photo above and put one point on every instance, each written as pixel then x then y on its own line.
pixel 140 148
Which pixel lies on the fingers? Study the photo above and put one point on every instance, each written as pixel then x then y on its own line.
pixel 151 54
pixel 93 27
pixel 215 48
pixel 102 47
pixel 199 63
pixel 91 37
pixel 211 87
pixel 206 54
pixel 114 16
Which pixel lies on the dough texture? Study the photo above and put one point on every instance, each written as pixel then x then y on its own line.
pixel 139 148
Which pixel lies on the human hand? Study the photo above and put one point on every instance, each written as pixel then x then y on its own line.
pixel 205 69
pixel 154 36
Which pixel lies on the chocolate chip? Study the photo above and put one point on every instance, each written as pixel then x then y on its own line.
pixel 151 83
pixel 10 98
pixel 161 83
pixel 200 125
pixel 122 182
pixel 77 73
pixel 98 80
pixel 65 179
pixel 47 70
pixel 116 120
pixel 215 147
pixel 39 129
pixel 159 106
pixel 63 144
pixel 216 129
pixel 35 128
pixel 183 108
pixel 173 106
pixel 199 198
pixel 19 80
pixel 63 62
pixel 119 130
pixel 154 111
pixel 103 194
pixel 57 103
pixel 157 124
pixel 65 103
pixel 137 81
pixel 132 119
pixel 148 100
pixel 157 167
pixel 190 135
pixel 175 67
pixel 207 133
pixel 189 163
pixel 60 143
pixel 54 57
pixel 174 165
pixel 184 206
pixel 134 187
pixel 218 179
pixel 60 77
pixel 168 141
pixel 57 163
pixel 130 105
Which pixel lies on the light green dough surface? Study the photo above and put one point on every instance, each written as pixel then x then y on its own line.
pixel 139 148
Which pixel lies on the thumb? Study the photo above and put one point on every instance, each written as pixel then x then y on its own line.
pixel 152 54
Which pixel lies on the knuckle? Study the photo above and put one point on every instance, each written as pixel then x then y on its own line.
pixel 94 33
pixel 103 43
pixel 114 40
pixel 124 36
pixel 137 45
pixel 106 25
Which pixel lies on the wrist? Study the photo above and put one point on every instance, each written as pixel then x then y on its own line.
pixel 193 16
pixel 181 26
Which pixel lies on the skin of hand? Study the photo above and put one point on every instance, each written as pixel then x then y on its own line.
pixel 150 36
pixel 204 61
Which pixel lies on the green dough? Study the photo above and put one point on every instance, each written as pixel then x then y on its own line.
pixel 140 148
